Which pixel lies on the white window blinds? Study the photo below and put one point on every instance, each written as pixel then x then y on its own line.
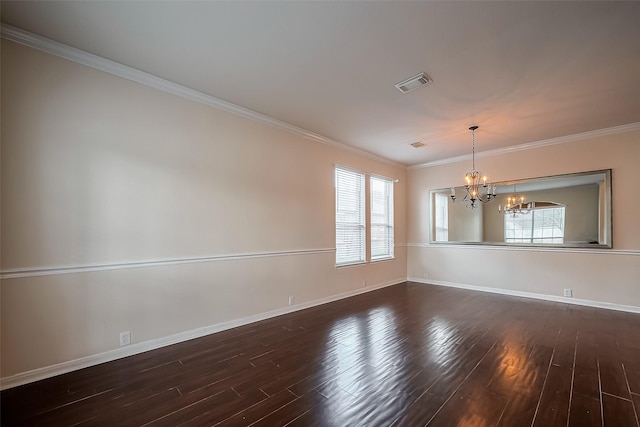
pixel 350 221
pixel 381 218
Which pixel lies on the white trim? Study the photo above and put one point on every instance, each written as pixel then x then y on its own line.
pixel 482 247
pixel 351 264
pixel 348 168
pixel 531 145
pixel 375 260
pixel 108 356
pixel 49 271
pixel 545 297
pixel 79 56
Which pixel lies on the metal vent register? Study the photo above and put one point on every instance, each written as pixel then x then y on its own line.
pixel 413 82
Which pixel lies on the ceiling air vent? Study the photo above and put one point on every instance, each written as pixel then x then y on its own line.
pixel 418 144
pixel 413 82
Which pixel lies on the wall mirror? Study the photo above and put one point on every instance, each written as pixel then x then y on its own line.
pixel 572 210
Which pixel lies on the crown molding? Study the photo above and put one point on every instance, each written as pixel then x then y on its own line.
pixel 82 57
pixel 532 145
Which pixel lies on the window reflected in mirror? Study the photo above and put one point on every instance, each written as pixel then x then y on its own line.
pixel 538 225
pixel 442 218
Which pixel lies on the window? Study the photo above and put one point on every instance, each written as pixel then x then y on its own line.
pixel 351 239
pixel 381 218
pixel 350 222
pixel 541 225
pixel 442 218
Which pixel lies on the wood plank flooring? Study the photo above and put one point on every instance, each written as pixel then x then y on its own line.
pixel 406 355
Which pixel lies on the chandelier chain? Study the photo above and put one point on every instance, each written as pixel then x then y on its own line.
pixel 473 149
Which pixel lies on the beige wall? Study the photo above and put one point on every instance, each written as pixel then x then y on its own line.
pixel 605 276
pixel 465 225
pixel 102 171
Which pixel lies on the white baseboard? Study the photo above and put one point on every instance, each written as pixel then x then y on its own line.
pixel 545 297
pixel 108 356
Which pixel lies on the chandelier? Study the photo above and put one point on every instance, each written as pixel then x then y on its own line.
pixel 476 186
pixel 515 205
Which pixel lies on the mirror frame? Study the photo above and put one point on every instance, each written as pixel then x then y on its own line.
pixel 605 224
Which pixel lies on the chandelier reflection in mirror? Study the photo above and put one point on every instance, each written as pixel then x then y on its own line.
pixel 476 186
pixel 515 205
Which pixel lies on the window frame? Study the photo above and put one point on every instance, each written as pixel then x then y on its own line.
pixel 384 211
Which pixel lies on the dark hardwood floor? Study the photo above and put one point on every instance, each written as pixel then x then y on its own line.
pixel 406 355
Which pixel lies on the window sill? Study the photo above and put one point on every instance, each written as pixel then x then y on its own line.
pixel 351 264
pixel 373 261
pixel 389 258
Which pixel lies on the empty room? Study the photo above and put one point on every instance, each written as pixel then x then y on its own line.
pixel 314 213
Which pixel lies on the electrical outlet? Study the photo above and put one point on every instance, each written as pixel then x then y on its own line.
pixel 568 293
pixel 292 300
pixel 426 275
pixel 125 338
pixel 364 283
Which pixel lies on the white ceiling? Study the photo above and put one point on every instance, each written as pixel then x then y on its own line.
pixel 522 71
